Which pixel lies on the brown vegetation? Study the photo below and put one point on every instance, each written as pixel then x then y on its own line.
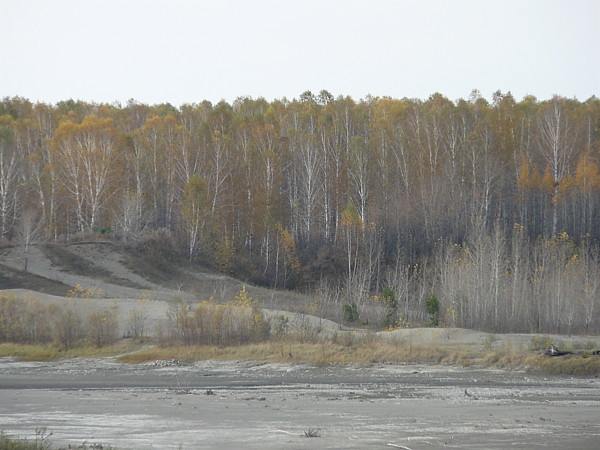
pixel 29 321
pixel 373 351
pixel 493 207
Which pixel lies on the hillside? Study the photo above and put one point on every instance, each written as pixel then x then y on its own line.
pixel 115 277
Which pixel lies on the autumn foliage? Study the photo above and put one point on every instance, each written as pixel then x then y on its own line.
pixel 289 193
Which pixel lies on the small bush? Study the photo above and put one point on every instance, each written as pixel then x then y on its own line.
pixel 488 343
pixel 103 327
pixel 280 326
pixel 432 305
pixel 391 308
pixel 79 291
pixel 40 442
pixel 304 330
pixel 540 343
pixel 209 323
pixel 350 312
pixel 24 321
pixel 68 328
pixel 312 433
pixel 136 323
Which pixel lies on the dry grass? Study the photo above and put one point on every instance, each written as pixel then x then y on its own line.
pixel 566 365
pixel 42 442
pixel 363 352
pixel 328 353
pixel 31 352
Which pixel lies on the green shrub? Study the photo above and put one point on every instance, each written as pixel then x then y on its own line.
pixel 279 326
pixel 391 308
pixel 432 305
pixel 350 312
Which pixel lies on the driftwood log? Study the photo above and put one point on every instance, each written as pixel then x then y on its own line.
pixel 554 351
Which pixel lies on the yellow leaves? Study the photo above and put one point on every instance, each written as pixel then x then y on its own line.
pixel 79 291
pixel 547 183
pixel 6 120
pixel 375 298
pixel 194 199
pixel 573 261
pixel 90 124
pixel 587 174
pixel 243 299
pixel 586 179
pixel 287 241
pixel 350 216
pixel 162 125
pixel 528 177
pixel 153 122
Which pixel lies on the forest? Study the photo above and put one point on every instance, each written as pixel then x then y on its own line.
pixel 468 213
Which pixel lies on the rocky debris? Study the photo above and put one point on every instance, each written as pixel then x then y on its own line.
pixel 161 363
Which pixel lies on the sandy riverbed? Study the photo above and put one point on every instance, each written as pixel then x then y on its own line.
pixel 270 406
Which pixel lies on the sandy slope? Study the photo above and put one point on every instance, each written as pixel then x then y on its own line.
pixel 114 278
pixel 155 312
pixel 39 264
pixel 107 273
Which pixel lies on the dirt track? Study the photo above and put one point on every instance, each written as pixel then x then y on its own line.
pixel 270 406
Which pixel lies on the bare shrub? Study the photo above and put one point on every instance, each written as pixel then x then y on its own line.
pixel 279 326
pixel 304 329
pixel 103 327
pixel 37 327
pixel 209 323
pixel 24 321
pixel 136 323
pixel 11 318
pixel 68 327
pixel 312 433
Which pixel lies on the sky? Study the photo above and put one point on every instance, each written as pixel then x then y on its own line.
pixel 181 51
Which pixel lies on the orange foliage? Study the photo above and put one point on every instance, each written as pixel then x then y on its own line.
pixel 587 174
pixel 528 177
pixel 547 183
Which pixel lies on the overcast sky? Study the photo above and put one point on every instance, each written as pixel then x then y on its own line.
pixel 186 51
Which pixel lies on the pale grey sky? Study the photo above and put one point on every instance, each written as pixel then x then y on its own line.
pixel 186 51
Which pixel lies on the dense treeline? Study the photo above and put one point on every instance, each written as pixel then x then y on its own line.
pixel 290 192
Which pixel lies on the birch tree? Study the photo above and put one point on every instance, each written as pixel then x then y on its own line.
pixel 194 212
pixel 9 175
pixel 88 154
